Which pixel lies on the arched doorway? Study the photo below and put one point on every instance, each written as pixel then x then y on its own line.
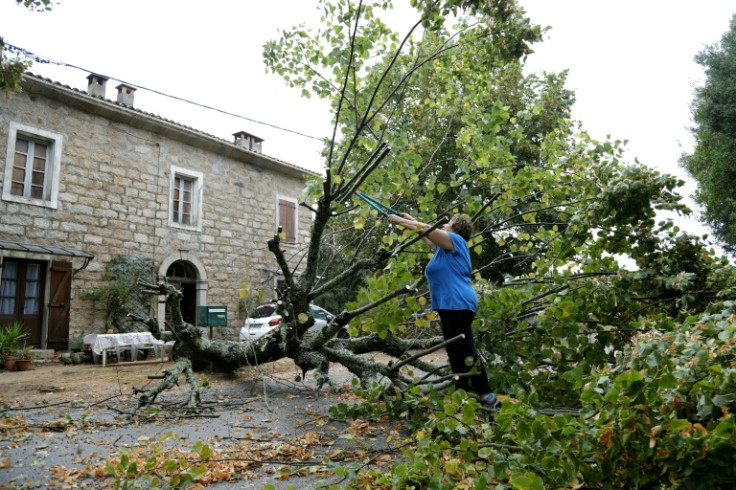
pixel 183 275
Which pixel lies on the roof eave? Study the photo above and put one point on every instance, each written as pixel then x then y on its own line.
pixel 33 84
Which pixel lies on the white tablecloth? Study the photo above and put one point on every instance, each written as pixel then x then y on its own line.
pixel 124 341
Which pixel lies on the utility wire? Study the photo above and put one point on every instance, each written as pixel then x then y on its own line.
pixel 38 59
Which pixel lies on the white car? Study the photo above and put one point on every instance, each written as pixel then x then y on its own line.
pixel 265 319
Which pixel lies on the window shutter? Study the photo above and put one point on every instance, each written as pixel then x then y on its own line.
pixel 287 219
pixel 59 305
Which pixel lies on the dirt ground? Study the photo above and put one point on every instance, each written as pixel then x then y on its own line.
pixel 53 382
pixel 272 428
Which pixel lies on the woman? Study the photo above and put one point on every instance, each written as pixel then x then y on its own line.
pixel 454 299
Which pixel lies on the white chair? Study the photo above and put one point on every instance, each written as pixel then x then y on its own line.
pixel 118 350
pixel 153 346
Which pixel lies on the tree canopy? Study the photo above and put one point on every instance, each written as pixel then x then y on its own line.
pixel 712 161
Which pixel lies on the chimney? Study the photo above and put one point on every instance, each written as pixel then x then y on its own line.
pixel 126 95
pixel 249 141
pixel 96 85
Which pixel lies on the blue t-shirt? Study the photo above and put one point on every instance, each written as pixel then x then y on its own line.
pixel 448 274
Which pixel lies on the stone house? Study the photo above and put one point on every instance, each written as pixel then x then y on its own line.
pixel 85 179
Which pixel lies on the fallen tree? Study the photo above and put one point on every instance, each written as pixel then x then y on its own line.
pixel 192 351
pixel 419 126
pixel 360 112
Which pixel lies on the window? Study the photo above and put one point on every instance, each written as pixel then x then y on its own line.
pixel 264 311
pixel 186 198
pixel 181 270
pixel 183 200
pixel 287 219
pixel 32 166
pixel 20 289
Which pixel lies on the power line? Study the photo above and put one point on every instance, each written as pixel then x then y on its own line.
pixel 38 59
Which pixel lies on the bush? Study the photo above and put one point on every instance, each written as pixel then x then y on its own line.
pixel 120 296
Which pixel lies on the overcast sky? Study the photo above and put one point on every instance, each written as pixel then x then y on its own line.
pixel 630 61
pixel 632 69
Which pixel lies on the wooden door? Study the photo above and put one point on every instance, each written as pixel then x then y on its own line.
pixel 22 296
pixel 59 305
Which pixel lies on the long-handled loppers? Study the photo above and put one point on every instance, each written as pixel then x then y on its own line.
pixel 377 205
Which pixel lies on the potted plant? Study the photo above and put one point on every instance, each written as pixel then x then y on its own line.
pixel 23 363
pixel 11 337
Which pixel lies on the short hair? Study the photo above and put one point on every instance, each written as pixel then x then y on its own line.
pixel 462 226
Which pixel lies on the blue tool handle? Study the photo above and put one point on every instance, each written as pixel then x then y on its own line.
pixel 377 205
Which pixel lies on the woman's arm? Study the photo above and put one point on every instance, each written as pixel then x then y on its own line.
pixel 435 238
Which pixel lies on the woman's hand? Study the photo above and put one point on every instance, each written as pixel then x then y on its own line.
pixel 405 219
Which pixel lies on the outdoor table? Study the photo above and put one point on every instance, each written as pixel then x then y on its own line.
pixel 121 342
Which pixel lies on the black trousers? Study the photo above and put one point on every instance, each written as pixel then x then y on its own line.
pixel 454 323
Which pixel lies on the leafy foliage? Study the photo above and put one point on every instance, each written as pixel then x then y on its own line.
pixel 120 295
pixel 36 5
pixel 11 69
pixel 159 466
pixel 660 416
pixel 711 163
pixel 573 270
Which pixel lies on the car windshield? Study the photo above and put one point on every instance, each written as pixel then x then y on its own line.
pixel 264 311
pixel 317 313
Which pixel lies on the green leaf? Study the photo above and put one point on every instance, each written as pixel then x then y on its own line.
pixel 197 472
pixel 724 400
pixel 526 481
pixel 400 470
pixel 150 463
pixel 170 465
pixel 205 452
pixel 679 425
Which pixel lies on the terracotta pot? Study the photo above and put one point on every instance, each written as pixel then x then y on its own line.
pixel 10 362
pixel 22 364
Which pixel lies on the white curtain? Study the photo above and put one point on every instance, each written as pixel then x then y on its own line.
pixel 33 289
pixel 8 285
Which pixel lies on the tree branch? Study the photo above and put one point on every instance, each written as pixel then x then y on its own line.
pixel 423 353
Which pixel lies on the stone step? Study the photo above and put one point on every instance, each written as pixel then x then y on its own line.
pixel 46 354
